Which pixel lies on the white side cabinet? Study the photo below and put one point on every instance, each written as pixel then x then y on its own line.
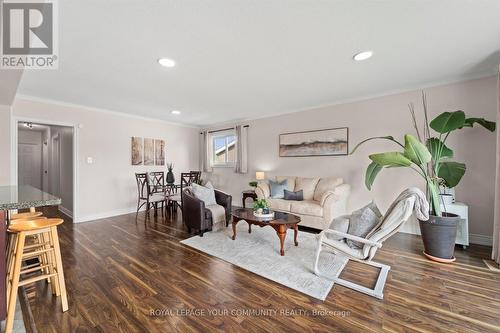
pixel 461 210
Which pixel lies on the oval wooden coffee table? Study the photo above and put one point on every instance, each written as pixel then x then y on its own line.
pixel 281 223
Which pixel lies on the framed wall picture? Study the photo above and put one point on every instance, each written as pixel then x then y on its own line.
pixel 327 142
pixel 136 151
pixel 159 152
pixel 149 151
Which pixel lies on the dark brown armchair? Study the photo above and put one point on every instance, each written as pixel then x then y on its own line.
pixel 196 217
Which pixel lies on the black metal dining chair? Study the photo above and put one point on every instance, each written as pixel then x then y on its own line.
pixel 156 181
pixel 145 194
pixel 187 178
pixel 197 176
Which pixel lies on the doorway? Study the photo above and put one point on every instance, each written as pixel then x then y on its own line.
pixel 45 160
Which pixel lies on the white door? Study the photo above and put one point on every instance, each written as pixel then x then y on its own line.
pixel 30 164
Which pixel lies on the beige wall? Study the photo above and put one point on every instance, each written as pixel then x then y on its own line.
pixel 378 117
pixel 107 187
pixel 5 145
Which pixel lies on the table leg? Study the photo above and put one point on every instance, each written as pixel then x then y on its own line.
pixel 281 231
pixel 249 228
pixel 243 202
pixel 235 221
pixel 295 234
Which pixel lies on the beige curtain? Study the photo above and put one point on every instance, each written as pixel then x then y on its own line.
pixel 241 149
pixel 496 229
pixel 205 165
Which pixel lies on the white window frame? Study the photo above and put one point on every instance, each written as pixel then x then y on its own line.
pixel 214 136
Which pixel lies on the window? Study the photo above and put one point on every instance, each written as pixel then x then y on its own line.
pixel 223 146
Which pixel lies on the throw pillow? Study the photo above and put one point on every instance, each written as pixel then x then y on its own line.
pixel 209 184
pixel 362 222
pixel 205 194
pixel 296 196
pixel 278 189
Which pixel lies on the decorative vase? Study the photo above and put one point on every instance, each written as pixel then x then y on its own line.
pixel 170 177
pixel 439 234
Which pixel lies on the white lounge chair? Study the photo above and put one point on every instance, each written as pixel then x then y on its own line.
pixel 411 200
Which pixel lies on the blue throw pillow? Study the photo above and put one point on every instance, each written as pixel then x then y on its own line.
pixel 296 196
pixel 278 189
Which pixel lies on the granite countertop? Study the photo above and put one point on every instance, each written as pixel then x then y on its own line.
pixel 25 196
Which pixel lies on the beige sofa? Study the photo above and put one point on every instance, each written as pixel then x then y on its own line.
pixel 324 199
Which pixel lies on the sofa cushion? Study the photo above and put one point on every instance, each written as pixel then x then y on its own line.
pixel 290 180
pixel 308 185
pixel 307 208
pixel 324 185
pixel 279 204
pixel 296 196
pixel 278 188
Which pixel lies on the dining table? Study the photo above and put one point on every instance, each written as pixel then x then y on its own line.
pixel 14 198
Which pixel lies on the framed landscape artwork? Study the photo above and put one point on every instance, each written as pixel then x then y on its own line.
pixel 137 151
pixel 159 152
pixel 328 142
pixel 149 152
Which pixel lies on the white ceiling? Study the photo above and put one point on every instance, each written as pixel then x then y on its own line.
pixel 240 59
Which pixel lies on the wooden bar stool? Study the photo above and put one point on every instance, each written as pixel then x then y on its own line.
pixel 24 216
pixel 39 239
pixel 49 268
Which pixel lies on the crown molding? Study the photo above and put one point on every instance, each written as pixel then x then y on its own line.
pixel 94 109
pixel 461 79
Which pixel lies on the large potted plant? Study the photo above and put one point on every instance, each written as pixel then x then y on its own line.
pixel 431 159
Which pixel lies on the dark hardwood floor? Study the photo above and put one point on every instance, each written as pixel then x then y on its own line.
pixel 128 277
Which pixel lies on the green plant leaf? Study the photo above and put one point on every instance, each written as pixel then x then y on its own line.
pixel 448 121
pixel 435 146
pixel 451 172
pixel 392 159
pixel 390 138
pixel 371 172
pixel 416 151
pixel 435 202
pixel 489 125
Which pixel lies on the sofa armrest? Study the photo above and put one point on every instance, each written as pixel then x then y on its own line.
pixel 262 190
pixel 226 201
pixel 334 202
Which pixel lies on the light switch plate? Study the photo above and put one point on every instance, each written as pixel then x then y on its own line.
pixel 90 160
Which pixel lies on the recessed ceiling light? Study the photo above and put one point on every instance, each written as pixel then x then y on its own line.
pixel 363 55
pixel 176 112
pixel 166 62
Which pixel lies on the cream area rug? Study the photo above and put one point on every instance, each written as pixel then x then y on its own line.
pixel 258 253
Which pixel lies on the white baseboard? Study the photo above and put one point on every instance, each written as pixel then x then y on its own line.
pixel 473 238
pixel 98 216
pixel 481 239
pixel 65 211
pixel 411 227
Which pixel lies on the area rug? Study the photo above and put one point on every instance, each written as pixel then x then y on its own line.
pixel 258 253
